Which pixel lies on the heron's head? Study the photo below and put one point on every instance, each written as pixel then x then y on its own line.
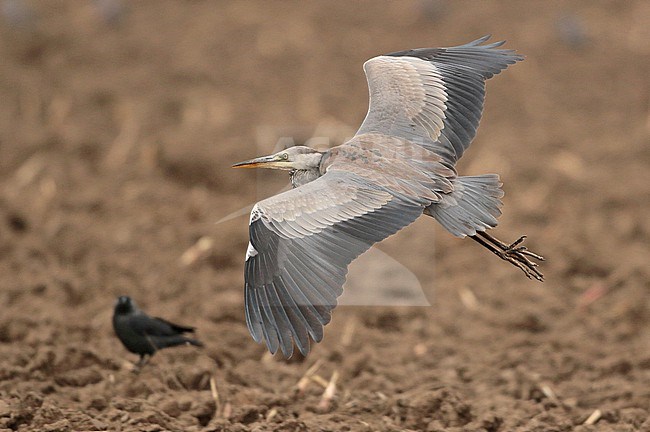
pixel 124 305
pixel 293 158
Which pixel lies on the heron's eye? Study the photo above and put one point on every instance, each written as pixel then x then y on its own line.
pixel 285 156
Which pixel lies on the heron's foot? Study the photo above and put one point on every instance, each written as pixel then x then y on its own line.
pixel 519 255
pixel 515 253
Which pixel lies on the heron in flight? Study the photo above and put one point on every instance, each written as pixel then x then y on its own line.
pixel 425 107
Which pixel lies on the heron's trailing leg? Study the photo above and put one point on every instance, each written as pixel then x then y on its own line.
pixel 514 253
pixel 515 246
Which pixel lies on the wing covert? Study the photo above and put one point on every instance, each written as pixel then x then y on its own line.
pixel 433 96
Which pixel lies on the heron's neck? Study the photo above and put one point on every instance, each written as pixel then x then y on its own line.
pixel 307 161
pixel 300 177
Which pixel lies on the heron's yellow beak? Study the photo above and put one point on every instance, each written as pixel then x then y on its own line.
pixel 272 161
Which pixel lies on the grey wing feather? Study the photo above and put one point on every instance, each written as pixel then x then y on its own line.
pixel 433 96
pixel 294 276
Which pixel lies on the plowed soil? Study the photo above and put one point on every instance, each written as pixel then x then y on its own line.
pixel 118 126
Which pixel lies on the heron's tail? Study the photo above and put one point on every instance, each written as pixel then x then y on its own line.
pixel 474 205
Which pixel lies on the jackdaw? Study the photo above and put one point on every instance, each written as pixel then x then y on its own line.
pixel 144 335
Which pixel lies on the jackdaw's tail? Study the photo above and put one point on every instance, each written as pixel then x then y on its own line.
pixel 170 341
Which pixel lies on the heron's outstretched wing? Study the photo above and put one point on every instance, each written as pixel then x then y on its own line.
pixel 301 243
pixel 433 96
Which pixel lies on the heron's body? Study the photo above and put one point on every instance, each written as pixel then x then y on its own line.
pixel 425 106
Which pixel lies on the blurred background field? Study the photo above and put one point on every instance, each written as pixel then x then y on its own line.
pixel 119 122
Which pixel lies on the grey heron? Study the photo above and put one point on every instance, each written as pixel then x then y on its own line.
pixel 425 106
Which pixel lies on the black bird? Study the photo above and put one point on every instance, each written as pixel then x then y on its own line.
pixel 144 335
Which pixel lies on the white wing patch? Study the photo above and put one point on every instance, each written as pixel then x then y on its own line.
pixel 250 251
pixel 255 214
